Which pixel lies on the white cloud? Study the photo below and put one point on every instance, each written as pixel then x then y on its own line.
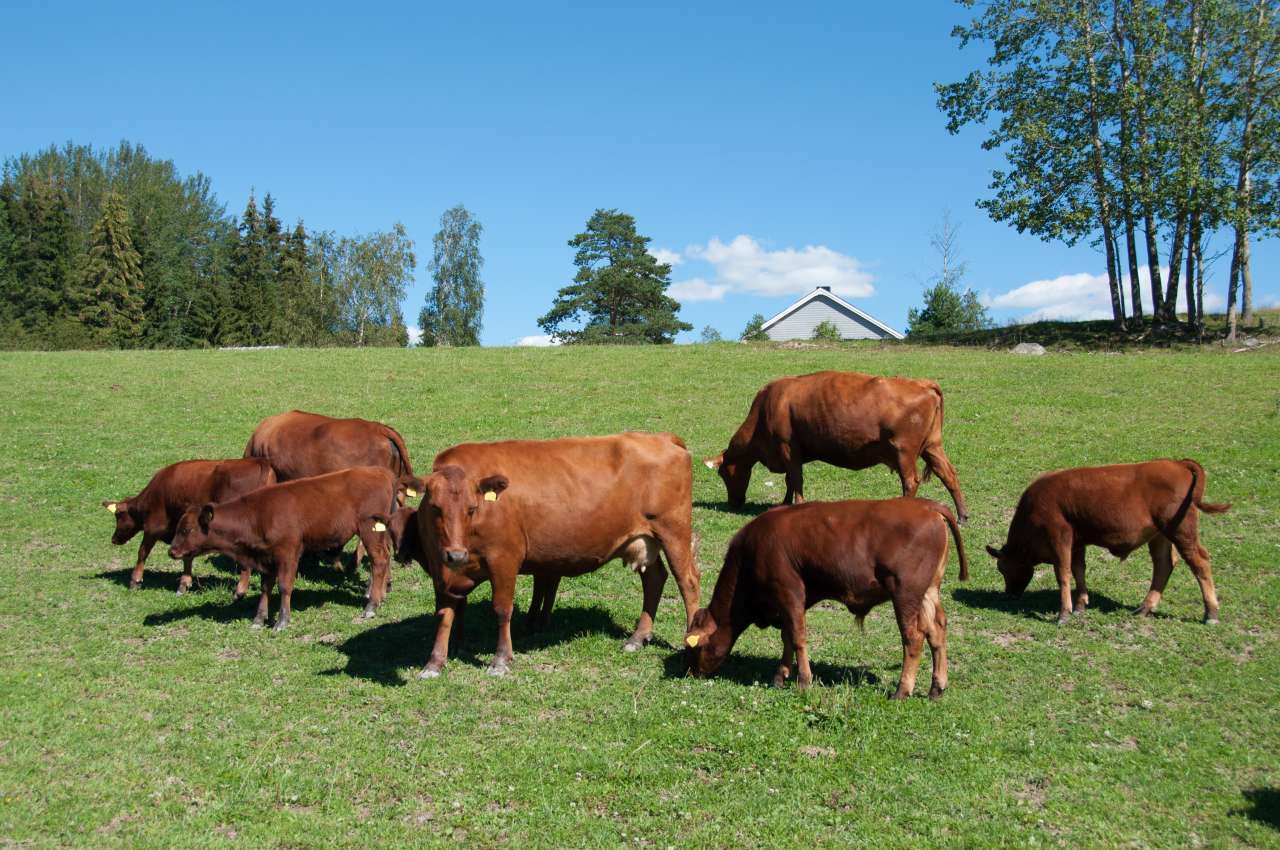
pixel 664 255
pixel 744 265
pixel 537 341
pixel 697 289
pixel 1080 296
pixel 415 335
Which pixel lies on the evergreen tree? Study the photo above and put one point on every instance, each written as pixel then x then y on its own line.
pixel 619 293
pixel 251 275
pixel 455 304
pixel 44 297
pixel 113 278
pixel 754 332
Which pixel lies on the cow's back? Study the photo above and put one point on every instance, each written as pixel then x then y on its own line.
pixel 301 444
pixel 593 489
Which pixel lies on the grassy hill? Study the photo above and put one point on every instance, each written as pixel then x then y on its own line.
pixel 147 720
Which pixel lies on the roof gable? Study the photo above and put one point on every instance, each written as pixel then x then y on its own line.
pixel 835 299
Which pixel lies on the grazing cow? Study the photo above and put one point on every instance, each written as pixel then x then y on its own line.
pixel 846 419
pixel 1119 508
pixel 301 444
pixel 553 508
pixel 269 529
pixel 859 553
pixel 170 492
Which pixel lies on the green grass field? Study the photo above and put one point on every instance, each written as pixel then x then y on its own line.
pixel 147 720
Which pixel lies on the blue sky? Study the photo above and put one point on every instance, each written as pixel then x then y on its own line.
pixel 765 146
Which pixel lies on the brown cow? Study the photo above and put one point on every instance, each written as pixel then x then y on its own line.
pixel 552 508
pixel 1119 508
pixel 301 444
pixel 269 529
pixel 170 492
pixel 859 553
pixel 846 419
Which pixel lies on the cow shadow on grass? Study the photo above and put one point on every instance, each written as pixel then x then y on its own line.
pixel 162 573
pixel 393 653
pixel 751 509
pixel 1264 806
pixel 760 669
pixel 226 611
pixel 1041 604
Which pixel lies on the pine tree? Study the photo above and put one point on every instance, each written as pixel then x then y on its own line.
pixel 455 304
pixel 250 273
pixel 619 293
pixel 45 296
pixel 113 278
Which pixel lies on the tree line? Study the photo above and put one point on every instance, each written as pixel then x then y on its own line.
pixel 1146 127
pixel 114 248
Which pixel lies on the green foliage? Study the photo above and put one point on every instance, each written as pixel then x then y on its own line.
pixel 148 720
pixel 827 332
pixel 113 278
pixel 754 332
pixel 371 275
pixel 946 306
pixel 455 304
pixel 619 293
pixel 710 334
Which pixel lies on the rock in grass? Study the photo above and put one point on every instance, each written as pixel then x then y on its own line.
pixel 1028 348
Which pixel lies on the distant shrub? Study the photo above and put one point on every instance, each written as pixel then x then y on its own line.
pixel 827 331
pixel 753 331
pixel 710 334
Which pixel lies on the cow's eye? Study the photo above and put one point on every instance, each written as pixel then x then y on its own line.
pixel 471 511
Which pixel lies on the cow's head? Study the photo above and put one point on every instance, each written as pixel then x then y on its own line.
pixel 127 524
pixel 1016 571
pixel 736 475
pixel 191 537
pixel 402 527
pixel 706 644
pixel 455 501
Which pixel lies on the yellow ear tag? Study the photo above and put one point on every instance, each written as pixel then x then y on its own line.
pixel 113 507
pixel 411 493
pixel 378 526
pixel 692 640
pixel 490 496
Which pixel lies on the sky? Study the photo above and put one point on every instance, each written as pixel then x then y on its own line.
pixel 764 147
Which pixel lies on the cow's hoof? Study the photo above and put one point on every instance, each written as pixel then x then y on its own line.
pixel 1143 611
pixel 237 596
pixel 369 611
pixel 280 626
pixel 257 624
pixel 135 585
pixel 498 668
pixel 429 673
pixel 182 588
pixel 1211 620
pixel 935 693
pixel 962 519
pixel 1063 619
pixel 634 643
pixel 899 695
pixel 779 681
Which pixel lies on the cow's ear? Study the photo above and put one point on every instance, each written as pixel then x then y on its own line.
pixel 993 551
pixel 414 486
pixel 205 517
pixel 491 487
pixel 713 463
pixel 702 627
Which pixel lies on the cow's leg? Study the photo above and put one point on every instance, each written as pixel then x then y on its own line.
pixel 286 573
pixel 144 550
pixel 242 585
pixel 936 459
pixel 935 631
pixel 1077 572
pixel 1197 558
pixel 448 609
pixel 380 566
pixel 1161 568
pixel 264 600
pixel 793 466
pixel 908 613
pixel 653 578
pixel 504 598
pixel 361 551
pixel 788 659
pixel 676 539
pixel 184 581
pixel 908 472
pixel 1062 569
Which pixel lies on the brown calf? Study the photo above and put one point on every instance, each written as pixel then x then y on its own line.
pixel 859 553
pixel 846 419
pixel 269 529
pixel 170 492
pixel 1119 508
pixel 553 508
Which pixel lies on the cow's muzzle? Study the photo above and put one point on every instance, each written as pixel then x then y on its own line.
pixel 455 556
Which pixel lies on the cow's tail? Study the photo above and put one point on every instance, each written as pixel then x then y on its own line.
pixel 955 535
pixel 677 441
pixel 935 421
pixel 401 453
pixel 1198 481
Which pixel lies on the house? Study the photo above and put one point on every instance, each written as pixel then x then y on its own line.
pixel 822 305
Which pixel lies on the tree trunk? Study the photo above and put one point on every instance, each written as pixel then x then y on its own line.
pixel 1193 237
pixel 1199 252
pixel 1232 280
pixel 1100 188
pixel 1169 308
pixel 1126 150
